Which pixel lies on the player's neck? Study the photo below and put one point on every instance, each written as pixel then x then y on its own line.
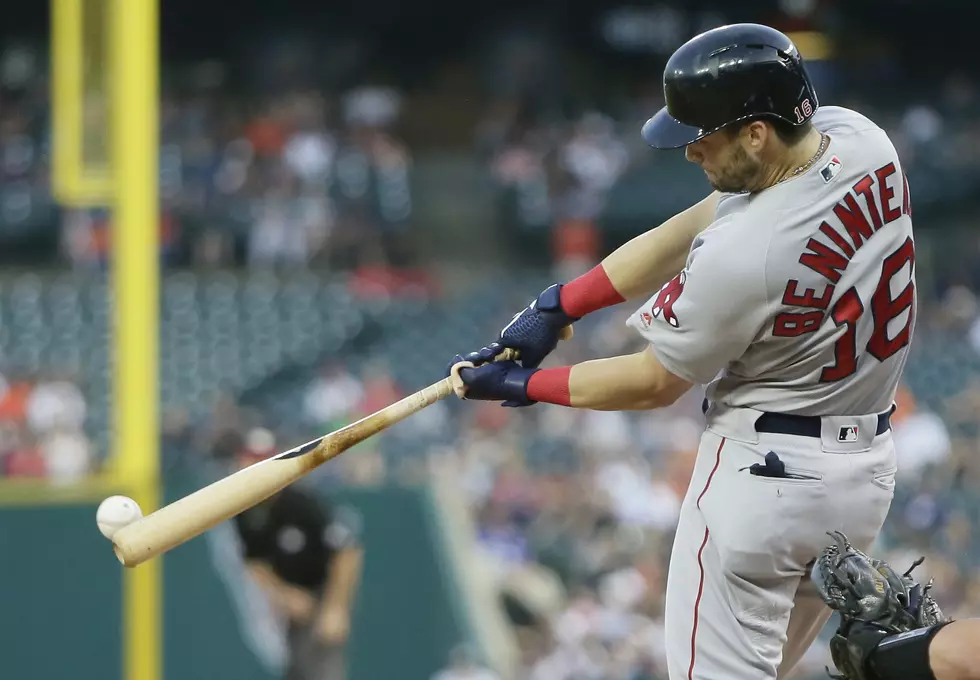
pixel 800 157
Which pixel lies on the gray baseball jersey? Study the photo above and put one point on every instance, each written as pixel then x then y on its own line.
pixel 801 298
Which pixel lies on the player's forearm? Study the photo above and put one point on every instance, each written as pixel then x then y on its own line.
pixel 277 590
pixel 642 265
pixel 616 384
pixel 344 575
pixel 622 383
pixel 264 576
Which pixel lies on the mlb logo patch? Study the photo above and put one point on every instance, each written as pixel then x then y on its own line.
pixel 646 318
pixel 848 434
pixel 832 169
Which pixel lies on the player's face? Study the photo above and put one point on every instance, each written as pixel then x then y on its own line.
pixel 730 168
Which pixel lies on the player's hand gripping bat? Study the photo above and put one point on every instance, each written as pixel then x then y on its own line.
pixel 192 515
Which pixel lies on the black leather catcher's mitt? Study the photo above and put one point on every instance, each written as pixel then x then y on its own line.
pixel 873 602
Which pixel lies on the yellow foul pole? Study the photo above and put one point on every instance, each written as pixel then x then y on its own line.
pixel 135 286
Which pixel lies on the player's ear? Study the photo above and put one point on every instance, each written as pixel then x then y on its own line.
pixel 757 133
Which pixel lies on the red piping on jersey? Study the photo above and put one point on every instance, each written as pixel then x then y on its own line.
pixel 704 543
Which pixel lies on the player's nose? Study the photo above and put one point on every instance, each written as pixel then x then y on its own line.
pixel 692 154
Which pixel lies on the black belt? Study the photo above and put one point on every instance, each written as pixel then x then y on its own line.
pixel 803 426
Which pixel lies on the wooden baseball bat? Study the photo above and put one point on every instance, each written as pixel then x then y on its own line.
pixel 192 515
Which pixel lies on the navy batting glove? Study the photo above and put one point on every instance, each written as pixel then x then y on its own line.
pixel 477 358
pixel 535 331
pixel 504 381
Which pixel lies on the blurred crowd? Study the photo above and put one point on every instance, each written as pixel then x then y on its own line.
pixel 42 428
pixel 301 178
pixel 282 182
pixel 323 176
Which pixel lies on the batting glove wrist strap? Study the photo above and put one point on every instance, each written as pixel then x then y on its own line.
pixel 535 331
pixel 504 381
pixel 549 302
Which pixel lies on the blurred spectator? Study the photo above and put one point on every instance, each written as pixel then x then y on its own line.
pixel 375 107
pixel 921 437
pixel 67 454
pixel 15 393
pixel 922 124
pixel 332 397
pixel 501 538
pixel 43 433
pixel 80 245
pixel 55 403
pixel 21 456
pixel 310 150
pixel 595 157
pixel 464 665
pixel 288 229
pixel 637 496
pixel 380 387
pixel 372 194
pixel 267 131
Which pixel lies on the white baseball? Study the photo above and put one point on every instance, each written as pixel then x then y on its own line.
pixel 115 512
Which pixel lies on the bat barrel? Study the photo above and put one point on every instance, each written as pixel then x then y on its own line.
pixel 207 507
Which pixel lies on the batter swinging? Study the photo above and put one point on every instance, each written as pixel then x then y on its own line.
pixel 790 292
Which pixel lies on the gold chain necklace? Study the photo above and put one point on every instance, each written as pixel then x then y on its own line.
pixel 824 142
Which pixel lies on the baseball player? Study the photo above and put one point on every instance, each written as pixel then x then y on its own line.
pixel 306 555
pixel 790 292
pixel 890 626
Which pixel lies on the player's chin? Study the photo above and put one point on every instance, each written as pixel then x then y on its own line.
pixel 725 187
pixel 716 185
pixel 712 178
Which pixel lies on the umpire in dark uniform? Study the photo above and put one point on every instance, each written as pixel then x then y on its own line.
pixel 306 556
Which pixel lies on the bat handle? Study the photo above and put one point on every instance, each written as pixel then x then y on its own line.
pixel 434 392
pixel 508 355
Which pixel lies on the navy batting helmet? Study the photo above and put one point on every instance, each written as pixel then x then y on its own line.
pixel 728 74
